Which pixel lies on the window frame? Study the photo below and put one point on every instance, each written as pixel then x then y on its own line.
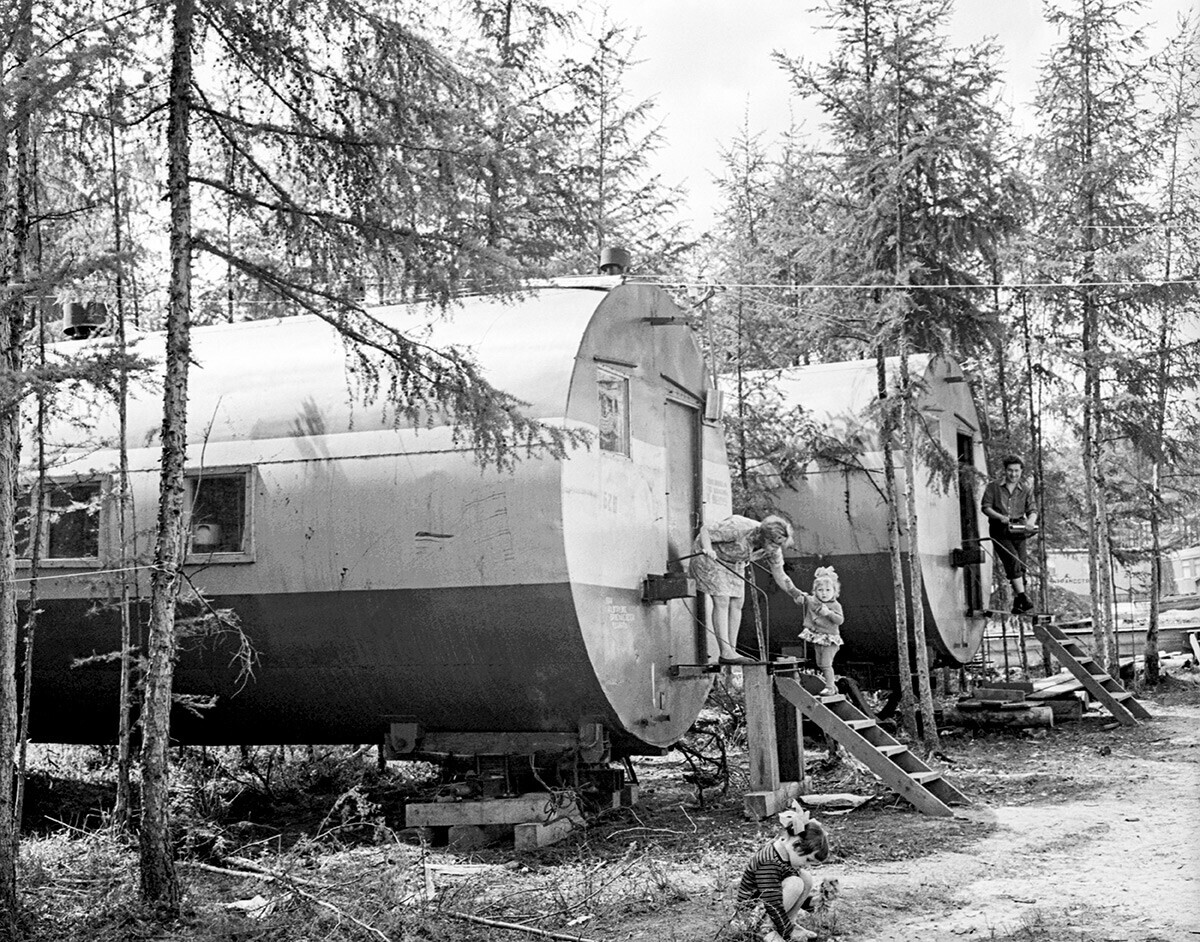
pixel 606 373
pixel 103 485
pixel 192 478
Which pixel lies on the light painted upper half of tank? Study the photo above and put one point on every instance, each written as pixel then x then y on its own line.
pixel 293 376
pixel 841 394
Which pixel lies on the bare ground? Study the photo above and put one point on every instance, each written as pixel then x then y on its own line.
pixel 1085 833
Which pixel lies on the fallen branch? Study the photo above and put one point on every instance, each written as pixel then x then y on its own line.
pixel 518 927
pixel 271 878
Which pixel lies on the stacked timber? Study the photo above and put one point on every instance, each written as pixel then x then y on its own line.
pixel 1000 704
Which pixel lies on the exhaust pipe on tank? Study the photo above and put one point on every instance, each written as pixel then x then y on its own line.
pixel 81 320
pixel 614 261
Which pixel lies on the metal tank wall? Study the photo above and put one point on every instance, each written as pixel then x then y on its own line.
pixel 841 519
pixel 390 574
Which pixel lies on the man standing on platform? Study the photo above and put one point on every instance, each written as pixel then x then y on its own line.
pixel 1012 519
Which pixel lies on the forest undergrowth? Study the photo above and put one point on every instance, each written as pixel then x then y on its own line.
pixel 303 844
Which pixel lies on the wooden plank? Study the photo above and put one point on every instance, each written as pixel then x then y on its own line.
pixel 1194 642
pixel 999 693
pixel 1023 685
pixel 534 806
pixel 760 728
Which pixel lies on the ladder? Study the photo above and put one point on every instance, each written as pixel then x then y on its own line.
pixel 1123 705
pixel 898 768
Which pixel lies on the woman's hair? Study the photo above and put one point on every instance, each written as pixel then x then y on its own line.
pixel 775 529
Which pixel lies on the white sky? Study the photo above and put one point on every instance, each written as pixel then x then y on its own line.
pixel 707 64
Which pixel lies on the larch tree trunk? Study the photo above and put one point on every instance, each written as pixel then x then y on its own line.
pixel 916 580
pixel 159 880
pixel 123 506
pixel 903 655
pixel 14 204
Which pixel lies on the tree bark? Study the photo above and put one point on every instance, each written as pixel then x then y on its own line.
pixel 159 880
pixel 122 805
pixel 916 579
pixel 903 655
pixel 14 200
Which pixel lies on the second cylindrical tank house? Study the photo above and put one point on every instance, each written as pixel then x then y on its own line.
pixel 838 506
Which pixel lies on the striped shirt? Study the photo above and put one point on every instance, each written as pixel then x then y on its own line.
pixel 763 881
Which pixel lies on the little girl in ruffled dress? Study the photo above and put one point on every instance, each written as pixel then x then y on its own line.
pixel 823 622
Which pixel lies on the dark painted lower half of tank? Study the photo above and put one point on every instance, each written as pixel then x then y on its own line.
pixel 332 667
pixel 868 603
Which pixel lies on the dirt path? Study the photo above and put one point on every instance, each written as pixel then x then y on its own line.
pixel 1120 862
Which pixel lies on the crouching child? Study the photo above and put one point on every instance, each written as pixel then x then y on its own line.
pixel 776 877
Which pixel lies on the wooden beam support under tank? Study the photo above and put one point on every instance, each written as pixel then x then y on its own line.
pixel 407 739
pixel 766 795
pixel 534 807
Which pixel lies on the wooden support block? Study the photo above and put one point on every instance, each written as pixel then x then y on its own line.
pixel 1194 642
pixel 1066 708
pixel 763 804
pixel 531 807
pixel 1022 685
pixel 999 693
pixel 627 797
pixel 532 836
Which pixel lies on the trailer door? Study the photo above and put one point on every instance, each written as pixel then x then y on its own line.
pixel 969 520
pixel 682 429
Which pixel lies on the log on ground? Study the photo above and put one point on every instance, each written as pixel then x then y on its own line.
pixel 1034 716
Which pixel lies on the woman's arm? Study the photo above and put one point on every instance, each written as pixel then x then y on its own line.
pixel 781 577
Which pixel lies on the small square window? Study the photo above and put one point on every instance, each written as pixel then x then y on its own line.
pixel 73 520
pixel 614 412
pixel 218 513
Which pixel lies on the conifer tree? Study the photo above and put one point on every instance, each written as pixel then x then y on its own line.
pixel 1094 157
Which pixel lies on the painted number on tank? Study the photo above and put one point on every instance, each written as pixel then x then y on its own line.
pixel 609 502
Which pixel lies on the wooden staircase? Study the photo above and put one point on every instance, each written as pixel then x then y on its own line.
pixel 874 747
pixel 1123 705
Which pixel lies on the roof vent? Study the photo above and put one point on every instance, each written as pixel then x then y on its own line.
pixel 83 319
pixel 614 261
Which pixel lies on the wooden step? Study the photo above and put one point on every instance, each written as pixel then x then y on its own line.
pixel 1124 707
pixel 934 799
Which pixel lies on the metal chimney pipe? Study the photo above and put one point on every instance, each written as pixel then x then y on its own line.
pixel 83 319
pixel 614 261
